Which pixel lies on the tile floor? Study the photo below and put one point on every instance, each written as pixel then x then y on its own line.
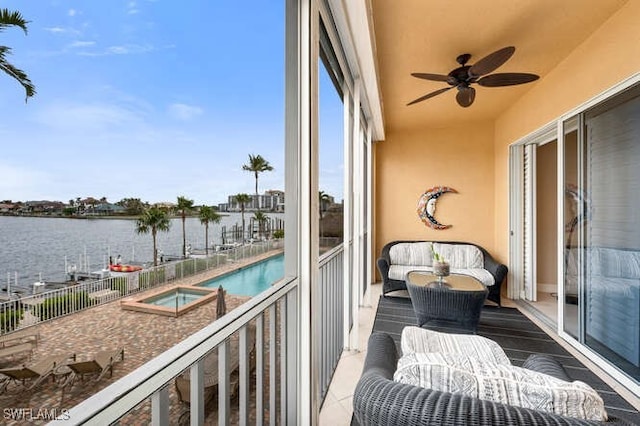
pixel 337 407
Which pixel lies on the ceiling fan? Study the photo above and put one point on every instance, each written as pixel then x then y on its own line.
pixel 465 75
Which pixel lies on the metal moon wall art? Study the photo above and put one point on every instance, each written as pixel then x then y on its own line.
pixel 427 206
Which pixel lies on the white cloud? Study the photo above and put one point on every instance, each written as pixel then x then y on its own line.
pixel 93 117
pixel 132 8
pixel 184 112
pixel 72 12
pixel 63 30
pixel 56 30
pixel 82 44
pixel 127 49
pixel 118 50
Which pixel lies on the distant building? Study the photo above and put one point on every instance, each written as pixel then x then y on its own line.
pixel 166 205
pixel 6 208
pixel 43 207
pixel 272 200
pixel 108 209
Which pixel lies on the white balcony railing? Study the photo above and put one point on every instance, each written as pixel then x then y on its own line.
pixel 332 319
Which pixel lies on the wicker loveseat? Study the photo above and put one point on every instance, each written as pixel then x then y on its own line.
pixel 399 257
pixel 378 400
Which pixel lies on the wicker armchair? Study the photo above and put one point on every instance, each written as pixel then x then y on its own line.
pixel 378 400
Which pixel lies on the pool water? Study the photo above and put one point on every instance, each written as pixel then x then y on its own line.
pixel 181 296
pixel 252 280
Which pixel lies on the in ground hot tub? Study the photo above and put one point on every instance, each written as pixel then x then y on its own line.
pixel 172 302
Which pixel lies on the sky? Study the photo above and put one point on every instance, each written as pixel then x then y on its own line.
pixel 151 99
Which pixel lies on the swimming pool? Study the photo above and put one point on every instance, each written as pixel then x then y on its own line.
pixel 251 280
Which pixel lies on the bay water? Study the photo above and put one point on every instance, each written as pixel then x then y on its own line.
pixel 34 247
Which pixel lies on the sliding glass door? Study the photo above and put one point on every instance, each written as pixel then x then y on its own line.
pixel 602 230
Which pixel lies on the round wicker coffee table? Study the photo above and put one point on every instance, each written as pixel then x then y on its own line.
pixel 459 300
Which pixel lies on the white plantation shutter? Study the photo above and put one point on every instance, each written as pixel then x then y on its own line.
pixel 529 246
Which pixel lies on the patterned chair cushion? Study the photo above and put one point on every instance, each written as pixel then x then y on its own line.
pixel 461 256
pixel 501 383
pixel 416 339
pixel 418 253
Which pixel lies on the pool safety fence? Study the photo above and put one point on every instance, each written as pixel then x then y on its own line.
pixel 31 310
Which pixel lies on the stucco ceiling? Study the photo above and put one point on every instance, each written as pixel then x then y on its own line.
pixel 428 35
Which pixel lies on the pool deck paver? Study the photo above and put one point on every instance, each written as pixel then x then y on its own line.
pixel 105 327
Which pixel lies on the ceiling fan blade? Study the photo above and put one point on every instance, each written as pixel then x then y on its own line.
pixel 429 95
pixel 433 77
pixel 491 62
pixel 507 79
pixel 465 96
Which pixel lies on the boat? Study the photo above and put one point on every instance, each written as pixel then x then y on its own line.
pixel 124 268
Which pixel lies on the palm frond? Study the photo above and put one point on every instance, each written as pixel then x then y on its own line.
pixel 16 73
pixel 10 18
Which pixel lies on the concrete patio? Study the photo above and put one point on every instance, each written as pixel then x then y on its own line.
pixel 142 335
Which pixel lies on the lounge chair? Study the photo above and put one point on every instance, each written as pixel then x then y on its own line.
pixel 29 377
pixel 98 366
pixel 183 382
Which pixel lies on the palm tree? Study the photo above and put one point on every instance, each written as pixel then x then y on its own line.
pixel 184 206
pixel 14 19
pixel 208 215
pixel 261 218
pixel 257 165
pixel 153 220
pixel 323 199
pixel 242 199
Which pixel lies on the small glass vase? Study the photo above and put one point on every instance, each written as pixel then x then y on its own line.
pixel 441 270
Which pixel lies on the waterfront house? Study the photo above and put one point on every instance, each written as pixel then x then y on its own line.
pixel 7 208
pixel 43 207
pixel 107 209
pixel 532 164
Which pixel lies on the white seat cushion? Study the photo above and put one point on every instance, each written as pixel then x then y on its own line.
pixel 399 272
pixel 416 339
pixel 501 383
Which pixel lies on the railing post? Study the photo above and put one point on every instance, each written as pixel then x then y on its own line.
pixel 224 397
pixel 259 369
pixel 196 393
pixel 273 315
pixel 244 358
pixel 160 407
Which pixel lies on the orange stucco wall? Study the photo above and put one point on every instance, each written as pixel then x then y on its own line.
pixel 473 158
pixel 408 163
pixel 609 56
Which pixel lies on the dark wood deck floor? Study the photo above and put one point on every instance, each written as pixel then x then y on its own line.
pixel 518 336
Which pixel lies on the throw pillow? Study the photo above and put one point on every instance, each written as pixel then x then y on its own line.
pixel 416 339
pixel 501 383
